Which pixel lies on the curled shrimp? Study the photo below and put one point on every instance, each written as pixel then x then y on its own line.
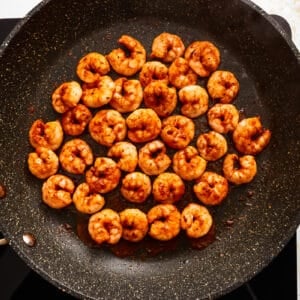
pixel 188 164
pixel 107 127
pixel 105 227
pixel 92 66
pixel 43 162
pixel 127 65
pixel 196 220
pixel 211 145
pixel 223 86
pixel 203 57
pixel 211 188
pixel 153 71
pixel 153 158
pixel 239 170
pixel 194 100
pixel 136 187
pixel 164 222
pixel 134 223
pixel 250 137
pixel 49 135
pixel 57 191
pixel 168 188
pixel 167 47
pixel 86 201
pixel 75 156
pixel 128 95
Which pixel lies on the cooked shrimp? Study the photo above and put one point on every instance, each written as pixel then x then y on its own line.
pixel 161 98
pixel 143 125
pixel 66 96
pixel 164 222
pixel 127 65
pixel 188 164
pixel 98 93
pixel 136 187
pixel 167 47
pixel 239 170
pixel 92 66
pixel 211 145
pixel 153 71
pixel 196 220
pixel 180 73
pixel 49 135
pixel 223 118
pixel 75 156
pixel 168 188
pixel 75 120
pixel 126 154
pixel 194 101
pixel 103 176
pixel 211 188
pixel 134 223
pixel 153 158
pixel 87 201
pixel 43 162
pixel 203 57
pixel 223 86
pixel 107 127
pixel 57 191
pixel 250 137
pixel 177 131
pixel 105 227
pixel 128 95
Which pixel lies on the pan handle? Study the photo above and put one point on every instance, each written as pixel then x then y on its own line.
pixel 3 242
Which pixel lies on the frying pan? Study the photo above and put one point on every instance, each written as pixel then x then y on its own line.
pixel 43 50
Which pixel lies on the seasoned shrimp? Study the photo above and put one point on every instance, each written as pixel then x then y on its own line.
pixel 196 220
pixel 167 47
pixel 161 98
pixel 143 125
pixel 134 223
pixel 203 57
pixel 211 188
pixel 66 96
pixel 75 156
pixel 250 137
pixel 223 86
pixel 103 176
pixel 164 222
pixel 239 170
pixel 168 188
pixel 107 127
pixel 211 145
pixel 98 93
pixel 86 201
pixel 153 71
pixel 127 65
pixel 194 101
pixel 75 120
pixel 105 227
pixel 180 73
pixel 92 66
pixel 223 118
pixel 136 187
pixel 127 155
pixel 153 158
pixel 188 164
pixel 49 135
pixel 128 95
pixel 57 191
pixel 177 131
pixel 43 162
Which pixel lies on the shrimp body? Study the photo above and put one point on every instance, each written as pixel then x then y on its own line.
pixel 153 71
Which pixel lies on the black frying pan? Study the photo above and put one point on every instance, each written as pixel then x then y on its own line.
pixel 42 52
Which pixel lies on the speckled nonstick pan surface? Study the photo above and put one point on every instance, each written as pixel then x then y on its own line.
pixel 43 51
